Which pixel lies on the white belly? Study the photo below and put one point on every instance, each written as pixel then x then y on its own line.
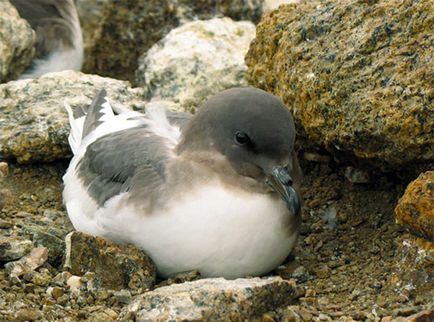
pixel 218 232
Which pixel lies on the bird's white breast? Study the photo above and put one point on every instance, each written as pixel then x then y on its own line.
pixel 213 230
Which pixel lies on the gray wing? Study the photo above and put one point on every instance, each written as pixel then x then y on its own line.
pixel 131 160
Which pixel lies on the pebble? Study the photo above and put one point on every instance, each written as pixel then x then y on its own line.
pixel 123 296
pixel 5 198
pixel 13 248
pixel 4 169
pixel 28 263
pixel 28 314
pixel 356 175
pixel 316 157
pixel 74 283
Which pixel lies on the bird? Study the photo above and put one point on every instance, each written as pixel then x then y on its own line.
pixel 217 192
pixel 59 40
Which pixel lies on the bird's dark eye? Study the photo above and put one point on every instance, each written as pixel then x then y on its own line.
pixel 242 138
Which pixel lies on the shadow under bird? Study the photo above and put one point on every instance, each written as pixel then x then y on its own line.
pixel 216 192
pixel 59 42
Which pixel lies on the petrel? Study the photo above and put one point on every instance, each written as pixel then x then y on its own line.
pixel 217 192
pixel 59 42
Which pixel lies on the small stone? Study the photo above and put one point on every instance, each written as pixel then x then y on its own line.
pixel 13 248
pixel 62 300
pixel 5 224
pixel 316 157
pixel 4 169
pixel 5 198
pixel 42 278
pixel 102 294
pixel 61 278
pixel 51 237
pixel 123 296
pixel 74 283
pixel 415 209
pixel 356 175
pixel 106 315
pixel 115 267
pixel 181 278
pixel 28 314
pixel 57 292
pixel 300 274
pixel 28 263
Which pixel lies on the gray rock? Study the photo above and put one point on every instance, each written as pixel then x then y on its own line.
pixel 13 248
pixel 34 121
pixel 16 42
pixel 5 197
pixel 358 82
pixel 27 264
pixel 121 31
pixel 4 169
pixel 115 267
pixel 51 237
pixel 195 61
pixel 211 300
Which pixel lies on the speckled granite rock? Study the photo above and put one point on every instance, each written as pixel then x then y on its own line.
pixel 415 209
pixel 211 299
pixel 413 271
pixel 192 61
pixel 34 121
pixel 16 42
pixel 13 248
pixel 357 75
pixel 116 267
pixel 127 29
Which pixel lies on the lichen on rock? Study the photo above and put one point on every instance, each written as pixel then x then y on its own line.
pixel 34 122
pixel 415 209
pixel 212 299
pixel 16 42
pixel 192 62
pixel 127 29
pixel 357 75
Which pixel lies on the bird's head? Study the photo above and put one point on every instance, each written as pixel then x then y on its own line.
pixel 255 132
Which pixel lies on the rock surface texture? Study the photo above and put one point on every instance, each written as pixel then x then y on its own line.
pixel 34 123
pixel 16 42
pixel 415 209
pixel 115 267
pixel 192 62
pixel 127 29
pixel 211 300
pixel 356 74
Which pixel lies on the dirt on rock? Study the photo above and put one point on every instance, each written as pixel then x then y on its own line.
pixel 352 260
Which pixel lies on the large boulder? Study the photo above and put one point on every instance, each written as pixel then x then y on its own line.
pixel 16 42
pixel 415 210
pixel 212 299
pixel 34 123
pixel 196 60
pixel 357 75
pixel 119 32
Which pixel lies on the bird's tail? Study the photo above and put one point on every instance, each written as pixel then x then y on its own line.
pixel 84 122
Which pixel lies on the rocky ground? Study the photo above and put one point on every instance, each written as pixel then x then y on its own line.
pixel 359 84
pixel 352 261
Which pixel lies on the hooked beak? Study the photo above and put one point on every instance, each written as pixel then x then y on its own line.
pixel 280 180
